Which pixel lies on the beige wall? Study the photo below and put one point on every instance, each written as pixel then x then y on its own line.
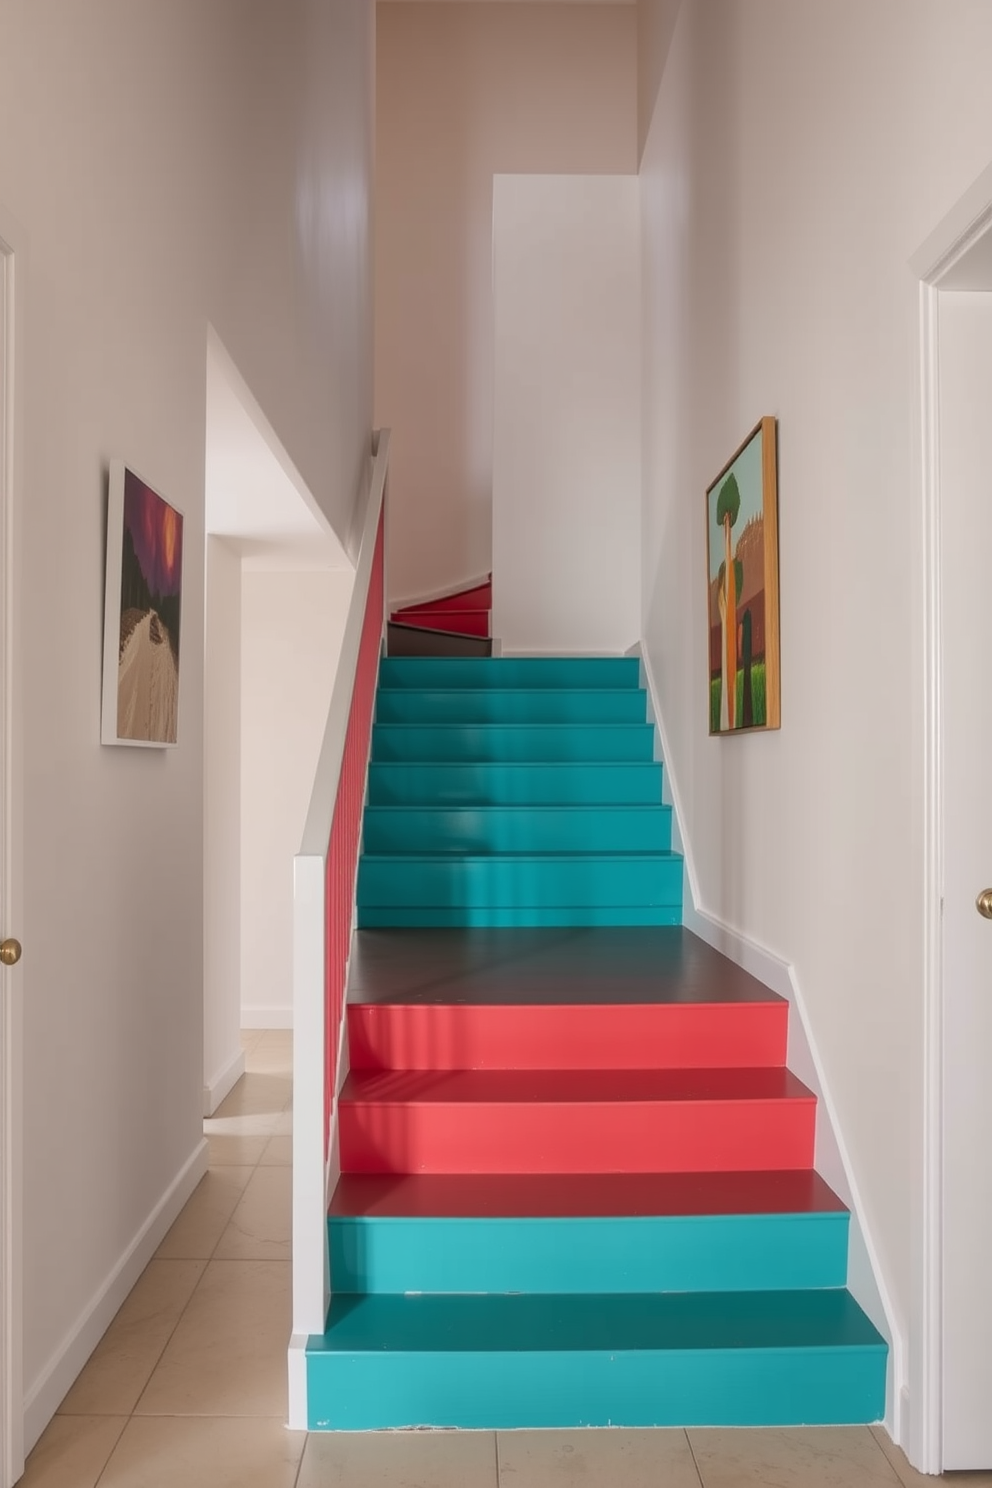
pixel 798 156
pixel 292 627
pixel 161 167
pixel 463 92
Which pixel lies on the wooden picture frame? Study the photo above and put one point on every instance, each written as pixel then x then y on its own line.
pixel 142 610
pixel 742 540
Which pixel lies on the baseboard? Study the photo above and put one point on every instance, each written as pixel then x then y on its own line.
pixel 266 1017
pixel 298 1383
pixel 223 1082
pixel 865 1276
pixel 43 1398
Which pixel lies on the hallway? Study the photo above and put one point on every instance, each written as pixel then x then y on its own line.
pixel 188 1386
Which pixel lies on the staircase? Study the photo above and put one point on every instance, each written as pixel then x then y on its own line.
pixel 457 625
pixel 577 1183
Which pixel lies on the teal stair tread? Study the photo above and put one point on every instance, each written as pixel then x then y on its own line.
pixel 513 672
pixel 382 1323
pixel 489 829
pixel 508 705
pixel 569 1087
pixel 515 916
pixel 521 743
pixel 643 964
pixel 388 1196
pixel 507 783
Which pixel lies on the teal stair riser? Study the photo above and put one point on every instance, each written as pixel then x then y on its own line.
pixel 512 742
pixel 520 916
pixel 526 705
pixel 652 880
pixel 533 829
pixel 645 1387
pixel 603 1254
pixel 494 784
pixel 473 673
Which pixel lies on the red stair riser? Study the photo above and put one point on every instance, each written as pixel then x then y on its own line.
pixel 587 1137
pixel 399 1036
pixel 479 598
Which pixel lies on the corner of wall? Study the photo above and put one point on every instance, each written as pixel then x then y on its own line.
pixel 865 1280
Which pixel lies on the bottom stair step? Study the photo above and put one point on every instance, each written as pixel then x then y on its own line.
pixel 662 1359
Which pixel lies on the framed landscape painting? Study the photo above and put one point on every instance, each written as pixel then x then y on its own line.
pixel 742 588
pixel 141 614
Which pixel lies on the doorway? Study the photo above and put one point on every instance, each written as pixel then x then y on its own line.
pixel 11 1386
pixel 950 1424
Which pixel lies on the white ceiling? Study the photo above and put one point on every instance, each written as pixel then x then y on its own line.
pixel 255 496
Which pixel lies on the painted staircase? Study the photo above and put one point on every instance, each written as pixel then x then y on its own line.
pixel 577 1180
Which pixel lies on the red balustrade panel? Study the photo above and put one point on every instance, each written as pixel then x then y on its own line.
pixel 346 828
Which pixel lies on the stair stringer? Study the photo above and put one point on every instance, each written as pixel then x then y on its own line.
pixel 866 1278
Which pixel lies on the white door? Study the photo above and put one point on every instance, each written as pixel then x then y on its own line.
pixel 965 454
pixel 11 1393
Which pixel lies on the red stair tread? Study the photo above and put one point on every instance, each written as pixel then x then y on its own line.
pixel 562 1086
pixel 528 1195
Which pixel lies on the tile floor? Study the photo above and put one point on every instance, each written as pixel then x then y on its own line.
pixel 188 1387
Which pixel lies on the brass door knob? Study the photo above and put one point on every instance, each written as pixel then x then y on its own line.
pixel 10 952
pixel 984 903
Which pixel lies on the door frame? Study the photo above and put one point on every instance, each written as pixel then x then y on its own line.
pixel 11 1020
pixel 922 1412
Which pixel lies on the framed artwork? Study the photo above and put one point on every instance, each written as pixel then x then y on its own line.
pixel 141 614
pixel 742 588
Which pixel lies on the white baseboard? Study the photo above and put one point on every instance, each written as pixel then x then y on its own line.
pixel 43 1398
pixel 865 1276
pixel 223 1082
pixel 266 1017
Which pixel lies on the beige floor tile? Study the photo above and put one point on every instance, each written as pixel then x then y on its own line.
pixel 596 1459
pixel 284 1124
pixel 272 1054
pixel 72 1452
pixel 800 1457
pixel 278 1152
pixel 228 1353
pixel 122 1362
pixel 233 1150
pixel 250 1037
pixel 256 1095
pixel 400 1459
pixel 205 1215
pixel 260 1228
pixel 910 1478
pixel 204 1453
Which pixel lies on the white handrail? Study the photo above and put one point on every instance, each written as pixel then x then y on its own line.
pixel 311 1280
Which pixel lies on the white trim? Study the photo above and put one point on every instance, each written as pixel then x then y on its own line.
pixel 223 1082
pixel 11 1002
pixel 935 261
pixel 45 1395
pixel 255 1015
pixel 925 1445
pixel 450 591
pixel 866 1279
pixel 297 1362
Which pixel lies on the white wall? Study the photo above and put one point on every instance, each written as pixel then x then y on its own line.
pixel 797 157
pixel 464 92
pixel 167 165
pixel 223 1057
pixel 567 417
pixel 292 627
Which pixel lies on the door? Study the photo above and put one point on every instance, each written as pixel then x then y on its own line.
pixel 965 455
pixel 11 1391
